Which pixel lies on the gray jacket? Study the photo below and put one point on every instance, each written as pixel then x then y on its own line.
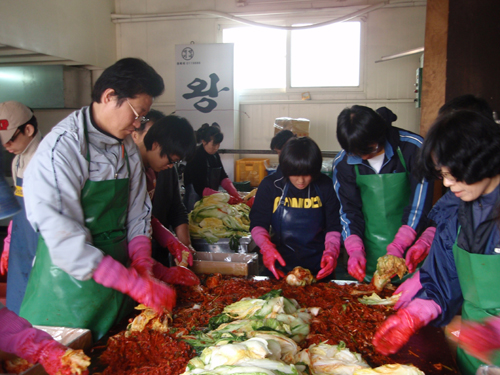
pixel 55 178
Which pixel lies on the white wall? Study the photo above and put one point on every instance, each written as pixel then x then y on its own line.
pixel 386 31
pixel 47 118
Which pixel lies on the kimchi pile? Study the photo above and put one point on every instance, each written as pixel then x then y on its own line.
pixel 341 320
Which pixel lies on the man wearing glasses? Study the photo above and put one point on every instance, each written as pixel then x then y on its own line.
pixel 86 196
pixel 20 136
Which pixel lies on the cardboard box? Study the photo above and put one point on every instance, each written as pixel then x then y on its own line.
pixel 75 338
pixel 226 264
pixel 298 126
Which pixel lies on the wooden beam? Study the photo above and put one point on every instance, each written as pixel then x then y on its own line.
pixel 434 72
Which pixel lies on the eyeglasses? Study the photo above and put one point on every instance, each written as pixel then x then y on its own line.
pixel 375 150
pixel 18 131
pixel 142 119
pixel 170 162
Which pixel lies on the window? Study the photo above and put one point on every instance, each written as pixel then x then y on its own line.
pixel 327 56
pixel 260 57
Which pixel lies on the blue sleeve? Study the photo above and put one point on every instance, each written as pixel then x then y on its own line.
pixel 415 213
pixel 262 208
pixel 331 205
pixel 344 183
pixel 438 274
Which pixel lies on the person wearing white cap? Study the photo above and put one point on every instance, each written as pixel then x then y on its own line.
pixel 20 136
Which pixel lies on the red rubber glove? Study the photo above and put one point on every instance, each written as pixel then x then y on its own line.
pixel 249 202
pixel 207 191
pixel 175 275
pixel 481 340
pixel 228 186
pixel 19 337
pixel 166 239
pixel 408 289
pixel 330 255
pixel 403 239
pixel 419 251
pixel 142 288
pixel 139 252
pixel 269 253
pixel 398 328
pixel 232 199
pixel 356 265
pixel 4 260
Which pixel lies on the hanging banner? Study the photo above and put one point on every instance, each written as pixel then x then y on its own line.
pixel 204 90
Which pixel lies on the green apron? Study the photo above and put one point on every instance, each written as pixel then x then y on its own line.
pixel 53 297
pixel 478 276
pixel 384 198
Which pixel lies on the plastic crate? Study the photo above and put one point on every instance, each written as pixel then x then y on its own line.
pixel 251 169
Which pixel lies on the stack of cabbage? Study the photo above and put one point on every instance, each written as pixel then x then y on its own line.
pixel 263 341
pixel 213 218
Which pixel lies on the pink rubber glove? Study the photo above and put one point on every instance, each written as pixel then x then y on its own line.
pixel 139 252
pixel 419 251
pixel 481 340
pixel 166 239
pixel 408 289
pixel 330 255
pixel 4 260
pixel 207 191
pixel 228 186
pixel 356 265
pixel 269 253
pixel 19 337
pixel 175 275
pixel 404 238
pixel 142 288
pixel 398 328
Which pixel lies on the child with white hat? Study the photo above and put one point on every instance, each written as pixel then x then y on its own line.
pixel 20 136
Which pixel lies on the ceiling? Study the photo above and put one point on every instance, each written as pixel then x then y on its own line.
pixel 12 56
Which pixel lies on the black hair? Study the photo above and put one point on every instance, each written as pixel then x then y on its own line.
pixel 359 128
pixel 128 77
pixel 470 102
pixel 153 116
pixel 32 121
pixel 174 135
pixel 209 133
pixel 466 142
pixel 301 157
pixel 387 115
pixel 280 139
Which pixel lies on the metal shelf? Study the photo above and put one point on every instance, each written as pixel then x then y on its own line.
pixel 329 154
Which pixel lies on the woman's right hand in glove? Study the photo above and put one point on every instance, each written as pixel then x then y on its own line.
pixel 142 288
pixel 269 252
pixel 356 265
pixel 269 257
pixel 175 275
